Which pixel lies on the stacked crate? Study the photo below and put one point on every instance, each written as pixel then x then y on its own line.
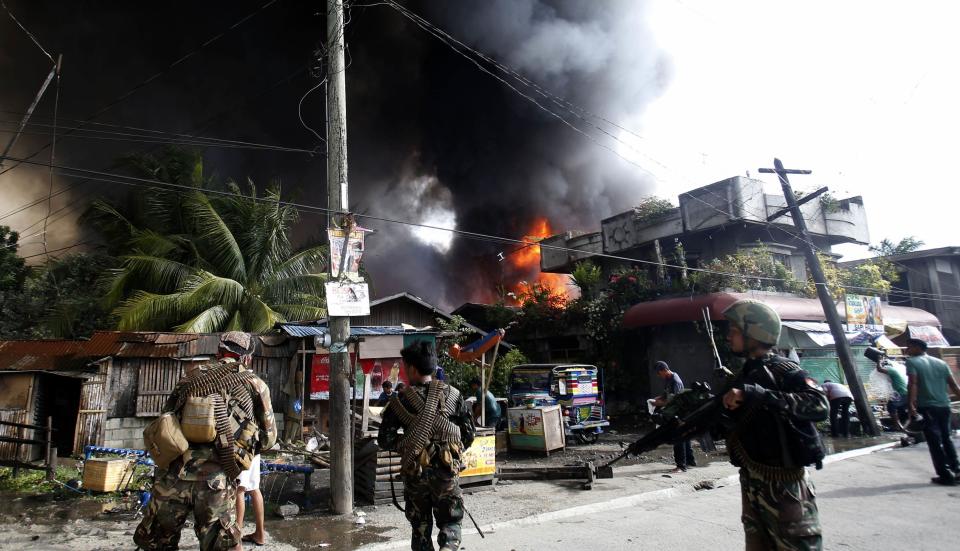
pixel 372 473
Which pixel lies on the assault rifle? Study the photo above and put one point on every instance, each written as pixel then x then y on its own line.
pixel 686 414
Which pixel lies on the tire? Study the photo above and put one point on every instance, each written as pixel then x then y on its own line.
pixel 585 437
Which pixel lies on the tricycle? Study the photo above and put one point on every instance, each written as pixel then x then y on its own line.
pixel 576 388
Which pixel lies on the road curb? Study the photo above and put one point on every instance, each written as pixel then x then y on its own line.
pixel 622 502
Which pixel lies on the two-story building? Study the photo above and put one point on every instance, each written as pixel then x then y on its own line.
pixel 929 280
pixel 711 222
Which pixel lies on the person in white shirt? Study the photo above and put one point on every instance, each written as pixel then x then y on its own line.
pixel 840 399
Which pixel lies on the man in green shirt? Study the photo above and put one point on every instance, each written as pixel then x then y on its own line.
pixel 929 378
pixel 898 402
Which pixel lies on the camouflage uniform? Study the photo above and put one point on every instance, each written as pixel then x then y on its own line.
pixel 779 505
pixel 432 490
pixel 196 482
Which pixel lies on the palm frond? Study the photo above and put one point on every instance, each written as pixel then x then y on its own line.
pixel 215 238
pixel 301 312
pixel 211 320
pixel 151 273
pixel 260 317
pixel 290 288
pixel 203 290
pixel 149 312
pixel 312 260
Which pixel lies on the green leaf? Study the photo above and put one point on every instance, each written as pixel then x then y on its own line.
pixel 211 320
pixel 216 239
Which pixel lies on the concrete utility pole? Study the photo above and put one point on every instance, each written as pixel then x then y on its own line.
pixel 865 414
pixel 341 452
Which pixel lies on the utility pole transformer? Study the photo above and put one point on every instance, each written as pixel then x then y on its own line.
pixel 867 422
pixel 341 452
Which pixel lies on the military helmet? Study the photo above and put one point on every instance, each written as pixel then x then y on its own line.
pixel 756 320
pixel 237 342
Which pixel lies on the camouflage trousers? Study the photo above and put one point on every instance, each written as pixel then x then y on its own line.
pixel 779 515
pixel 435 493
pixel 214 507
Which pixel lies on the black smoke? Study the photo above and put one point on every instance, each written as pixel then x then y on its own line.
pixel 431 138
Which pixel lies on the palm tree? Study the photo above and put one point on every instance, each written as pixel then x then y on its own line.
pixel 195 262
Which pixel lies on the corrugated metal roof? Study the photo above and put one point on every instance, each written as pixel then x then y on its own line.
pixel 296 330
pixel 44 355
pixel 131 344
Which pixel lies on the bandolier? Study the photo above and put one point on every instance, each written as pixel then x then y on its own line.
pixel 229 384
pixel 428 431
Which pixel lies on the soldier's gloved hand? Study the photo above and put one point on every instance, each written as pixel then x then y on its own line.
pixel 733 399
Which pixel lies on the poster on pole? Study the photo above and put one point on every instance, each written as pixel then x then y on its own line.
pixel 345 253
pixel 864 313
pixel 348 299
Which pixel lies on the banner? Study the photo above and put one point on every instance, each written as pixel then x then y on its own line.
pixel 348 299
pixel 348 258
pixel 481 457
pixel 863 312
pixel 379 369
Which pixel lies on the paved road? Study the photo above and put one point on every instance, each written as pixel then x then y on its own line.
pixel 878 501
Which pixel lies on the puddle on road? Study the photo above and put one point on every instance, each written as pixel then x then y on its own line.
pixel 314 532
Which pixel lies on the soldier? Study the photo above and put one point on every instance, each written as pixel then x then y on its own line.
pixel 437 430
pixel 231 405
pixel 774 407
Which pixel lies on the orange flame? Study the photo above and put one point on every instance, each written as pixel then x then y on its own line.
pixel 526 260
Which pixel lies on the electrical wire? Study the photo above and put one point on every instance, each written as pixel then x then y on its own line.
pixel 157 136
pixel 106 177
pixel 113 103
pixel 300 111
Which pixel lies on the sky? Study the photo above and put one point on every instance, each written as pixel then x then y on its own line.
pixel 865 94
pixel 690 92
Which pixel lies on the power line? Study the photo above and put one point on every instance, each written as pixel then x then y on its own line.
pixel 106 177
pixel 135 138
pixel 145 182
pixel 47 253
pixel 204 125
pixel 155 76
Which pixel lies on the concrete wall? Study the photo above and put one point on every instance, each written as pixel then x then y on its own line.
pixel 125 432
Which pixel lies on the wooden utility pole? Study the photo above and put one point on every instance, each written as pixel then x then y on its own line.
pixel 341 453
pixel 864 413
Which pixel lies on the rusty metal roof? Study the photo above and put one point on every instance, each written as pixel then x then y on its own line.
pixel 132 344
pixel 41 355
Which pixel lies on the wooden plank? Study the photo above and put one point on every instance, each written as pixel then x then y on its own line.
pixel 23 425
pixel 22 440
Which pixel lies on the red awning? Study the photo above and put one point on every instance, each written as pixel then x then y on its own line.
pixel 676 310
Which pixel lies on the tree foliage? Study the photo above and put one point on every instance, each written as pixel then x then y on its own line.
pixel 651 208
pixel 197 262
pixel 58 299
pixel 889 248
pixel 754 269
pixel 586 276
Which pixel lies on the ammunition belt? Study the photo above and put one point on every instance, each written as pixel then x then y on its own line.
pixel 224 382
pixel 428 423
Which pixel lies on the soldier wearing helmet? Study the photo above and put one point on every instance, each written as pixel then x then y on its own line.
pixel 218 417
pixel 774 407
